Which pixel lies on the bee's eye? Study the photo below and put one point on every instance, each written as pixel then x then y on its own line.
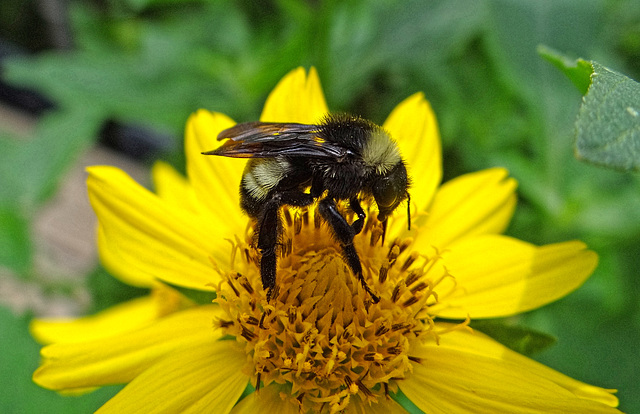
pixel 390 190
pixel 385 193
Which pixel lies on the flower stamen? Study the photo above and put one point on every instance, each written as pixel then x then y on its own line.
pixel 320 332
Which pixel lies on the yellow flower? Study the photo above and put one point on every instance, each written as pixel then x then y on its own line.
pixel 320 344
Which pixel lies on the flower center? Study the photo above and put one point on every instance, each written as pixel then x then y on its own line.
pixel 321 337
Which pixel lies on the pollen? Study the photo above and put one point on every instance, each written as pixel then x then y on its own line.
pixel 321 338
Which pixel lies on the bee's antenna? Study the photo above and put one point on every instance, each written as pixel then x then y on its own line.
pixel 408 211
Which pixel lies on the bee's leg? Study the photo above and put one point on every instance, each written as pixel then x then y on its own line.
pixel 357 208
pixel 269 226
pixel 317 187
pixel 295 198
pixel 269 232
pixel 344 233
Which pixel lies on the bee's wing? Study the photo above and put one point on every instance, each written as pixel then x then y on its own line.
pixel 271 139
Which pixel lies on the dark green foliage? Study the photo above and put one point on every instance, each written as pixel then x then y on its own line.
pixel 519 338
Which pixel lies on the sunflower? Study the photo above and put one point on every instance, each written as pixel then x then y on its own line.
pixel 320 344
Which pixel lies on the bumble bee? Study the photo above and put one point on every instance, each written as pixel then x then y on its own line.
pixel 341 158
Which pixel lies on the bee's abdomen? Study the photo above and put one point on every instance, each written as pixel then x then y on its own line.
pixel 260 177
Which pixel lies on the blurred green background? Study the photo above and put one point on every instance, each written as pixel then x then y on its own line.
pixel 125 75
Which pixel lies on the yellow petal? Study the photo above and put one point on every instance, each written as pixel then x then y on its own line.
pixel 119 266
pixel 296 98
pixel 206 378
pixel 471 373
pixel 115 320
pixel 472 204
pixel 215 179
pixel 499 276
pixel 120 358
pixel 159 239
pixel 269 399
pixel 173 188
pixel 413 126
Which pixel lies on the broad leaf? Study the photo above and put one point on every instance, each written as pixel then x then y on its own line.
pixel 608 124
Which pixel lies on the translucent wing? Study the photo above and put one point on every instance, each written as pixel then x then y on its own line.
pixel 271 139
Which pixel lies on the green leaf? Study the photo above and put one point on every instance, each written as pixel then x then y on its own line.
pixel 31 170
pixel 107 291
pixel 151 71
pixel 201 297
pixel 19 359
pixel 608 124
pixel 406 403
pixel 373 44
pixel 520 339
pixel 250 389
pixel 15 244
pixel 577 70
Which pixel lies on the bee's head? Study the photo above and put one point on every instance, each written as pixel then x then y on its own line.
pixel 390 189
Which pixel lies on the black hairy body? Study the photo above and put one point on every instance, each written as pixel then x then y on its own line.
pixel 341 158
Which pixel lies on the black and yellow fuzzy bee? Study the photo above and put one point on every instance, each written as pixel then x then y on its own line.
pixel 341 158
